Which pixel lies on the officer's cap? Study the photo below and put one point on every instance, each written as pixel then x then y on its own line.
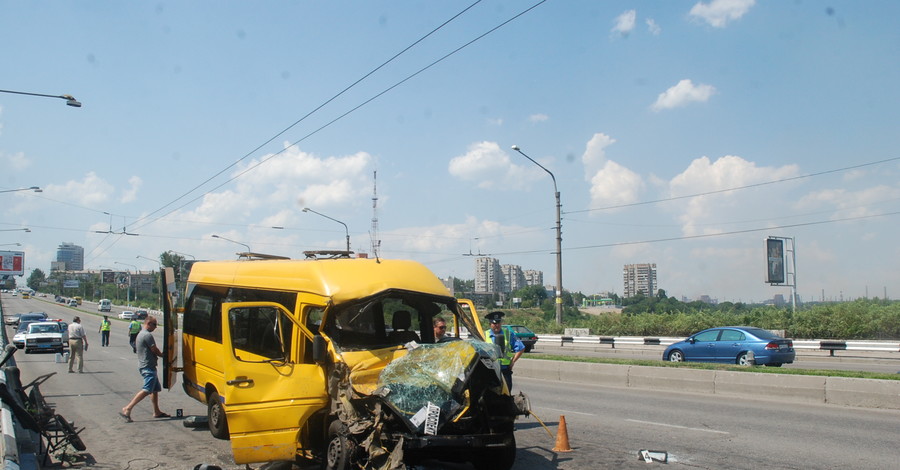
pixel 494 317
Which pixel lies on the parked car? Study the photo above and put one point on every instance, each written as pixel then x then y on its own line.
pixel 525 335
pixel 127 315
pixel 19 338
pixel 733 344
pixel 32 316
pixel 44 337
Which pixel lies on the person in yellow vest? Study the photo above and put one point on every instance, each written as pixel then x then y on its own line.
pixel 104 331
pixel 133 329
pixel 511 348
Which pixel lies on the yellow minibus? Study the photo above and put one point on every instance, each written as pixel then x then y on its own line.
pixel 333 360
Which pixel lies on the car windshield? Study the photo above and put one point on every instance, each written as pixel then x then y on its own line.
pixel 521 330
pixel 50 328
pixel 23 326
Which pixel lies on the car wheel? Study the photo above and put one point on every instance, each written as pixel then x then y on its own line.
pixel 340 448
pixel 528 348
pixel 743 359
pixel 774 364
pixel 215 413
pixel 676 356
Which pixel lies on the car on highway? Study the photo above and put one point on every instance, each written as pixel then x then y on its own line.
pixel 44 337
pixel 525 335
pixel 72 303
pixel 104 305
pixel 19 338
pixel 126 315
pixel 12 319
pixel 141 314
pixel 733 345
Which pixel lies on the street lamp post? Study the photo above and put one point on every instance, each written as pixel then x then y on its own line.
pixel 32 188
pixel 232 241
pixel 128 288
pixel 558 238
pixel 70 100
pixel 346 230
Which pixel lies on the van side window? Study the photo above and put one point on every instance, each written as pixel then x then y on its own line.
pixel 261 331
pixel 287 299
pixel 202 318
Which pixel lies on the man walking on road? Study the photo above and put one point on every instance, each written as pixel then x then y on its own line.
pixel 147 358
pixel 104 331
pixel 133 329
pixel 78 343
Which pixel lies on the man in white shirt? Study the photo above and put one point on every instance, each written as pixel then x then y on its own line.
pixel 77 344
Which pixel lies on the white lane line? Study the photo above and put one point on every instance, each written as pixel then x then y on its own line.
pixel 677 426
pixel 567 411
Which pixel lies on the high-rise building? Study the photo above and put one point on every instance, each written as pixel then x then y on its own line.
pixel 640 278
pixel 513 277
pixel 488 277
pixel 534 277
pixel 72 255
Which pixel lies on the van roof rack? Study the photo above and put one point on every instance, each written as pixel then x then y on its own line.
pixel 252 256
pixel 327 254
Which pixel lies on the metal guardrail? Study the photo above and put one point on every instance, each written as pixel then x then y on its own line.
pixel 809 344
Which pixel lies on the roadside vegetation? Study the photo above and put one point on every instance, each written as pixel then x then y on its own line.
pixel 863 319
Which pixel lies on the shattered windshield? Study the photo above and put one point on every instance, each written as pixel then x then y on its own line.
pixel 392 318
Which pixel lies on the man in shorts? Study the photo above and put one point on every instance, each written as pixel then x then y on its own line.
pixel 147 353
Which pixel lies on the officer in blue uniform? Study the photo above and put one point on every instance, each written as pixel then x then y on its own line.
pixel 511 348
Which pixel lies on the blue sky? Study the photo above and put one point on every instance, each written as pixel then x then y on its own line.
pixel 626 103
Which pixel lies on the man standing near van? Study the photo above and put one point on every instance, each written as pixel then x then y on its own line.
pixel 104 331
pixel 133 329
pixel 148 355
pixel 77 344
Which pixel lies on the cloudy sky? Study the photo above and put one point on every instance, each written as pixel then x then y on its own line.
pixel 680 133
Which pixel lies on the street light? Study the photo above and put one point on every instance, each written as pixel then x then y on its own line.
pixel 10 244
pixel 232 241
pixel 32 188
pixel 346 230
pixel 70 100
pixel 151 259
pixel 182 254
pixel 558 238
pixel 26 229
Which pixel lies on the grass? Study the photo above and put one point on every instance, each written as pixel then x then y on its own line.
pixel 728 367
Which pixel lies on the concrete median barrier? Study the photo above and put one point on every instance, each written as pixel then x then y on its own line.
pixel 841 391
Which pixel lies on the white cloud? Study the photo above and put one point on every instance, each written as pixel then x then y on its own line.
pixel 595 154
pixel 683 93
pixel 850 203
pixel 703 176
pixel 294 179
pixel 92 191
pixel 625 23
pixel 16 161
pixel 653 27
pixel 538 118
pixel 614 184
pixel 719 12
pixel 495 122
pixel 490 167
pixel 130 194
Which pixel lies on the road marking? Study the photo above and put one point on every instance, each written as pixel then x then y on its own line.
pixel 567 411
pixel 676 426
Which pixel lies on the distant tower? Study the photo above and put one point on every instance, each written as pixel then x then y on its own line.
pixel 376 243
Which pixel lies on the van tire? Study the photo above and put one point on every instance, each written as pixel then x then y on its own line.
pixel 337 454
pixel 215 413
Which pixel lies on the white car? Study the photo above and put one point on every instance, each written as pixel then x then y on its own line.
pixel 73 303
pixel 44 337
pixel 127 315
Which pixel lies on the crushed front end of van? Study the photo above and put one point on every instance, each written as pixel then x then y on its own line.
pixel 443 401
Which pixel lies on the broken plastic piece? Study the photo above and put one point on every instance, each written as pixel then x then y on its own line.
pixel 653 456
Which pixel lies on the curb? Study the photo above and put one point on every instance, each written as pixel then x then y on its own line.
pixel 810 389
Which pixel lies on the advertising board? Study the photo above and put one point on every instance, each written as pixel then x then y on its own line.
pixel 12 263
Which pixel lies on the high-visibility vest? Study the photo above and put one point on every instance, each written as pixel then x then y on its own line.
pixel 104 325
pixel 135 327
pixel 506 352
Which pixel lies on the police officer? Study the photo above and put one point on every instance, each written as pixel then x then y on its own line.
pixel 104 331
pixel 511 348
pixel 133 329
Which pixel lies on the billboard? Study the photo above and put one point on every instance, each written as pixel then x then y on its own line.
pixel 108 277
pixel 12 263
pixel 775 261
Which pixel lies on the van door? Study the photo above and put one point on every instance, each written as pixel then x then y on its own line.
pixel 270 391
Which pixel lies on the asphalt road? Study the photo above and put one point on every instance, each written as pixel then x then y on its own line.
pixel 606 426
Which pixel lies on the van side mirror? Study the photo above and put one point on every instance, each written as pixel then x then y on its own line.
pixel 320 349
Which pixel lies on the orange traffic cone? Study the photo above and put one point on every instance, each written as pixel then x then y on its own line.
pixel 562 437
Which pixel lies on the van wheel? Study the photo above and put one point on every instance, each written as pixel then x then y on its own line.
pixel 498 459
pixel 340 448
pixel 215 413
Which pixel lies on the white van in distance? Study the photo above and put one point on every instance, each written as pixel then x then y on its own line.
pixel 104 305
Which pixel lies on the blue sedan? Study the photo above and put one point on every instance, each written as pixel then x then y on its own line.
pixel 733 345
